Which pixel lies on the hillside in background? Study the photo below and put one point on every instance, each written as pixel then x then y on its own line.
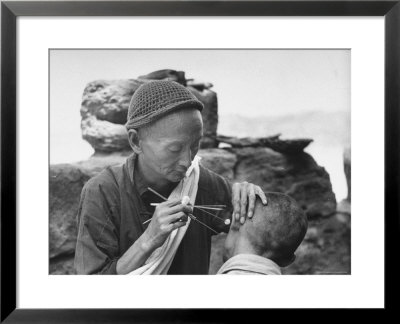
pixel 326 128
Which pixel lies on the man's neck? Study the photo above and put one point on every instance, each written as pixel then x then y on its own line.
pixel 242 246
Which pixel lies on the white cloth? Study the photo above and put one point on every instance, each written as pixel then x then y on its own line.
pixel 247 264
pixel 160 260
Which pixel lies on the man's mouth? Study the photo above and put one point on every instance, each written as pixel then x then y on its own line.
pixel 181 172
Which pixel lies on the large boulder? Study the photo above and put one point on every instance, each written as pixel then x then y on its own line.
pixel 296 175
pixel 347 170
pixel 209 114
pixel 65 185
pixel 220 161
pixel 105 106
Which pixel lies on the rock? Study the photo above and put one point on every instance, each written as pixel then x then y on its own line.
pixel 220 161
pixel 66 182
pixel 62 266
pixel 104 109
pixel 108 100
pixel 344 207
pixel 347 170
pixel 199 85
pixel 210 116
pixel 315 196
pixel 328 253
pixel 166 74
pixel 104 136
pixel 105 106
pixel 312 234
pixel 293 146
pixel 100 161
pixel 298 176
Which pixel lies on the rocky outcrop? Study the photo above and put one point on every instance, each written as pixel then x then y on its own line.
pixel 66 182
pixel 347 170
pixel 105 106
pixel 298 176
pixel 289 146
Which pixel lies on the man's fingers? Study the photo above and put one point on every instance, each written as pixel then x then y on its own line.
pixel 252 201
pixel 176 217
pixel 262 195
pixel 180 208
pixel 234 225
pixel 243 203
pixel 236 201
pixel 176 225
pixel 171 203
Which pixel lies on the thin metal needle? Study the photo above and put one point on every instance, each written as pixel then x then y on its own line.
pixel 156 193
pixel 205 211
pixel 190 215
pixel 194 206
pixel 194 218
pixel 213 206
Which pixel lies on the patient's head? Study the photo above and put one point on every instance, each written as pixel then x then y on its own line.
pixel 275 231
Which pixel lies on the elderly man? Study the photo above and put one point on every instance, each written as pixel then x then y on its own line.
pixel 131 218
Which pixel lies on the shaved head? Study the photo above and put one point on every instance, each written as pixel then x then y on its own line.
pixel 278 228
pixel 275 231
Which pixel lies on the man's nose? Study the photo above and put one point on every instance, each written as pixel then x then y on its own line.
pixel 186 159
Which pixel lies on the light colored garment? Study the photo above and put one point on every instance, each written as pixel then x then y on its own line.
pixel 247 264
pixel 160 260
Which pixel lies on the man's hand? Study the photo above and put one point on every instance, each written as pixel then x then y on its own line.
pixel 243 195
pixel 167 217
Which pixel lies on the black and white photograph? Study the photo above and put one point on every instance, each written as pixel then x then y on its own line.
pixel 199 161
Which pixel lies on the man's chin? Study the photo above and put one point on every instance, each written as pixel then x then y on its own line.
pixel 177 176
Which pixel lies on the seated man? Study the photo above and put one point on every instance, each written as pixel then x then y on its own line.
pixel 267 241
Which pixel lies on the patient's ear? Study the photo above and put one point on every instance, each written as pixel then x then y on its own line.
pixel 287 261
pixel 235 225
pixel 134 142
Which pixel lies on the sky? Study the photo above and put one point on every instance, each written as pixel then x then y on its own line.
pixel 248 82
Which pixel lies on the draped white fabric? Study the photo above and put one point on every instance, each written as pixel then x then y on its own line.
pixel 160 260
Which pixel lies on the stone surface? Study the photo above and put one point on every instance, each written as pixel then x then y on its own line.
pixel 166 74
pixel 298 176
pixel 108 99
pixel 292 146
pixel 105 106
pixel 66 182
pixel 104 136
pixel 220 161
pixel 347 170
pixel 210 116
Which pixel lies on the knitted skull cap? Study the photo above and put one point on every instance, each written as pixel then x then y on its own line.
pixel 155 99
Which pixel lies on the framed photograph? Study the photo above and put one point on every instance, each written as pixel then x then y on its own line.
pixel 297 101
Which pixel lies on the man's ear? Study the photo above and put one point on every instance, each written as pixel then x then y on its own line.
pixel 134 142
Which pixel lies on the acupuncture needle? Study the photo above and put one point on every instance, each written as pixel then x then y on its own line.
pixel 195 206
pixel 190 215
pixel 226 221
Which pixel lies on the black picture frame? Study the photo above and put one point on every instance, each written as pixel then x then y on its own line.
pixel 11 10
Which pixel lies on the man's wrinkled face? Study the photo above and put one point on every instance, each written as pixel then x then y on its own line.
pixel 171 143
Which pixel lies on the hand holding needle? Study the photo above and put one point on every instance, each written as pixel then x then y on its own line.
pixel 185 201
